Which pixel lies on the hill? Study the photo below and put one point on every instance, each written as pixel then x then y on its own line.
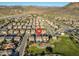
pixel 71 8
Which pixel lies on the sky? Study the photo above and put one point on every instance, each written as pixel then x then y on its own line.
pixel 60 4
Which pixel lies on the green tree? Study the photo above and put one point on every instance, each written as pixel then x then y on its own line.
pixel 49 49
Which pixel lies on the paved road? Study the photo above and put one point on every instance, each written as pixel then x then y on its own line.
pixel 23 45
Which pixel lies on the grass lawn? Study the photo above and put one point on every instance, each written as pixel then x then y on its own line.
pixel 35 50
pixel 63 46
pixel 66 47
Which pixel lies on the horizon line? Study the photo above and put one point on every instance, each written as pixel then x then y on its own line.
pixel 49 4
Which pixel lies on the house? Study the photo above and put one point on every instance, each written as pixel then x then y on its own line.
pixel 4 32
pixel 16 31
pixel 8 46
pixel 1 39
pixel 45 38
pixel 10 31
pixel 8 39
pixel 19 27
pixel 33 26
pixel 14 23
pixel 24 27
pixel 15 27
pixel 10 27
pixel 22 23
pixel 43 32
pixel 22 31
pixel 28 31
pixel 17 38
pixel 26 24
pixel 31 38
pixel 32 31
pixel 18 23
pixel 28 27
